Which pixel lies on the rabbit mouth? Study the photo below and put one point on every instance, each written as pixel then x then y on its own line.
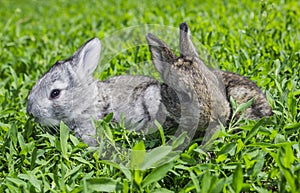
pixel 48 125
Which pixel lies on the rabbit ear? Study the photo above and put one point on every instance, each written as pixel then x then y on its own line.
pixel 162 56
pixel 87 57
pixel 187 47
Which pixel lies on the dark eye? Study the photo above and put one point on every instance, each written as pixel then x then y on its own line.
pixel 54 94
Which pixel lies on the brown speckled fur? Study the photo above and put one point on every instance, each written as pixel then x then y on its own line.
pixel 212 88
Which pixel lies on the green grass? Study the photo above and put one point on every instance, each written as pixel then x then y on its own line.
pixel 258 39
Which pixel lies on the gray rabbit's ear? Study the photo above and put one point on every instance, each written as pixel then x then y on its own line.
pixel 187 47
pixel 162 55
pixel 87 57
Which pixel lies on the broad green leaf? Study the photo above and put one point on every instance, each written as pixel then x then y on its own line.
pixel 179 140
pixel 16 181
pixel 240 145
pixel 154 156
pixel 161 132
pixel 157 174
pixel 249 162
pixel 288 157
pixel 188 159
pixel 244 106
pixel 238 178
pixel 254 130
pixel 232 103
pixel 195 181
pixel 221 158
pixel 33 158
pixel 108 133
pixel 205 182
pixel 101 184
pixel 229 148
pixel 121 167
pixel 70 172
pixel 137 156
pixel 74 140
pixel 22 144
pixel 13 134
pixel 193 147
pixel 32 178
pixel 108 118
pixel 219 185
pixel 258 166
pixel 292 128
pixel 126 172
pixel 82 160
pixel 280 139
pixel 292 105
pixel 64 136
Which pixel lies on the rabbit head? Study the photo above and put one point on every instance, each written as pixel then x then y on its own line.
pixel 67 89
pixel 167 63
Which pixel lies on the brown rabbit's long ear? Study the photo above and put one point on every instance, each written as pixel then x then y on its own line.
pixel 86 58
pixel 187 47
pixel 162 55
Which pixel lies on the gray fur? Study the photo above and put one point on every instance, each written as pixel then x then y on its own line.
pixel 83 98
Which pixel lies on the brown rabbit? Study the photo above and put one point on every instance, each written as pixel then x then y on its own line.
pixel 212 88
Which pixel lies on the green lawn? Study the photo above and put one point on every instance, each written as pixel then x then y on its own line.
pixel 258 39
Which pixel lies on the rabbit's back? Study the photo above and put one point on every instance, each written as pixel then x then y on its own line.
pixel 241 89
pixel 137 98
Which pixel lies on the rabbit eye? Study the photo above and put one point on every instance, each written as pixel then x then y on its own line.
pixel 54 94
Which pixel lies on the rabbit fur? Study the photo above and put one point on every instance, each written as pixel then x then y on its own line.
pixel 69 93
pixel 213 88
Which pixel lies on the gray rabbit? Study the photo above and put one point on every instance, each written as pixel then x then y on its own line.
pixel 191 95
pixel 69 93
